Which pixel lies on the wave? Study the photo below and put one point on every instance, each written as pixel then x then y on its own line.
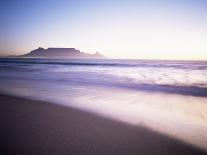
pixel 173 89
pixel 194 65
pixel 178 77
pixel 194 90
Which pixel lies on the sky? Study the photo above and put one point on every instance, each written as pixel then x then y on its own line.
pixel 138 29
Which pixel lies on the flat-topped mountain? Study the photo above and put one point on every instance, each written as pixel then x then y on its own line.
pixel 62 53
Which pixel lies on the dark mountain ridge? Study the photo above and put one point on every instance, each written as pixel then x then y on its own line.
pixel 62 53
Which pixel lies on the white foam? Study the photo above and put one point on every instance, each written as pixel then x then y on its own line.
pixel 182 117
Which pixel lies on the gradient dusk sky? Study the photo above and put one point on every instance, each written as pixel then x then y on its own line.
pixel 147 29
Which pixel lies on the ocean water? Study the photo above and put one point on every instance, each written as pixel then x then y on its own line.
pixel 169 97
pixel 181 77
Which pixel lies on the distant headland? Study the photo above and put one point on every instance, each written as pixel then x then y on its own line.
pixel 62 53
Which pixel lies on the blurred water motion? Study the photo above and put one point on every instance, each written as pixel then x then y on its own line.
pixel 166 96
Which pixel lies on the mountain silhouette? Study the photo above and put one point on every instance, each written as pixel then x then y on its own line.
pixel 62 53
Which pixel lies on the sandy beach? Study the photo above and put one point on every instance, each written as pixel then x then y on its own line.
pixel 36 127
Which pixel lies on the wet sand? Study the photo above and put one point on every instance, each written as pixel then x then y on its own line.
pixel 36 127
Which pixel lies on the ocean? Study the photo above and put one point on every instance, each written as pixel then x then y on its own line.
pixel 179 77
pixel 169 97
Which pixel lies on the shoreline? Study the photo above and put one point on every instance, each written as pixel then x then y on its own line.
pixel 37 127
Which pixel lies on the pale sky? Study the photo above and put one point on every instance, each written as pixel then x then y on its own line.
pixel 153 29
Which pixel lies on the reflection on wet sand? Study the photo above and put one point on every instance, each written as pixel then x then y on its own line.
pixel 181 117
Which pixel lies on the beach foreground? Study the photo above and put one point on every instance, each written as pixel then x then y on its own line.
pixel 36 127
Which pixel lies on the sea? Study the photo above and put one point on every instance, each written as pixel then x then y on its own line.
pixel 169 97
